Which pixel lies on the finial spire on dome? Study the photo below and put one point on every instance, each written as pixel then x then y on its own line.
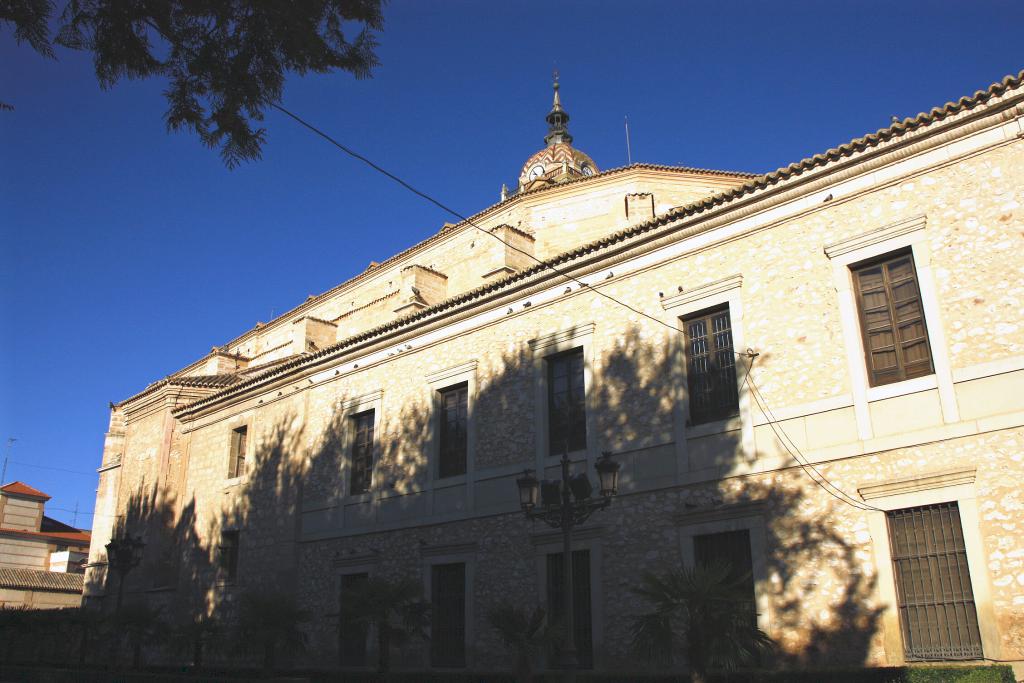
pixel 558 119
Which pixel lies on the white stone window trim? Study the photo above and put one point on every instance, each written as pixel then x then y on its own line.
pixel 912 233
pixel 451 554
pixel 350 408
pixel 728 292
pixel 543 348
pixel 941 487
pixel 742 517
pixel 438 382
pixel 584 538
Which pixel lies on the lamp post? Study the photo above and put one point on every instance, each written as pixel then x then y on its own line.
pixel 123 555
pixel 563 505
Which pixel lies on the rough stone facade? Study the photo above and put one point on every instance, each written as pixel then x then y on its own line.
pixel 809 466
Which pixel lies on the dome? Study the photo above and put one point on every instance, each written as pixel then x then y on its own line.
pixel 559 161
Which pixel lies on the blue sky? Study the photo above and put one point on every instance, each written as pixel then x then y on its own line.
pixel 127 252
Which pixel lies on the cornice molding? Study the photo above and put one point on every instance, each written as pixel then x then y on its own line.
pixel 922 482
pixel 720 513
pixel 873 237
pixel 702 292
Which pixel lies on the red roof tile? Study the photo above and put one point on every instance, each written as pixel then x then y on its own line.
pixel 76 537
pixel 23 489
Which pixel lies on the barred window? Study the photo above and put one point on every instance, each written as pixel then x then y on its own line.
pixel 938 618
pixel 711 366
pixel 567 413
pixel 239 447
pixel 454 420
pixel 448 615
pixel 351 634
pixel 362 453
pixel 892 320
pixel 228 556
pixel 583 633
pixel 732 547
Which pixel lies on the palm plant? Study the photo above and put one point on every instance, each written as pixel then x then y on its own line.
pixel 705 612
pixel 267 621
pixel 522 632
pixel 394 610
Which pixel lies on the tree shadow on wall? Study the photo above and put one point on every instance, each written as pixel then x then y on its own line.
pixel 300 471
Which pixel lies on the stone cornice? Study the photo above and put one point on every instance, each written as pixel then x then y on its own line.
pixel 921 482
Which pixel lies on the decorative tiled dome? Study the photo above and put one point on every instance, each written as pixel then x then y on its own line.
pixel 559 161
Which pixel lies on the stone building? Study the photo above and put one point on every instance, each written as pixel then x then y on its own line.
pixel 817 373
pixel 42 560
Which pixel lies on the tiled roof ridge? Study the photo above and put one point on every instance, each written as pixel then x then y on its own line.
pixel 23 489
pixel 897 129
pixel 40 579
pixel 700 206
pixel 367 305
pixel 513 229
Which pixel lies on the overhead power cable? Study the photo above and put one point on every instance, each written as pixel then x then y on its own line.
pixel 805 465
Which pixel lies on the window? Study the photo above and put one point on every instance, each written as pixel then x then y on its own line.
pixel 892 320
pixel 732 547
pixel 362 453
pixel 239 446
pixel 351 635
pixel 938 618
pixel 583 634
pixel 567 415
pixel 454 422
pixel 228 556
pixel 448 615
pixel 711 366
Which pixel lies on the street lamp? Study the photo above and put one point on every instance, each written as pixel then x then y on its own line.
pixel 563 505
pixel 123 555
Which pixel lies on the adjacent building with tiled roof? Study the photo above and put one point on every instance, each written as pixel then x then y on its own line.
pixel 37 553
pixel 816 374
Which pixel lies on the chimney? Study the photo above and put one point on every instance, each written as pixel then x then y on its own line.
pixel 421 287
pixel 639 207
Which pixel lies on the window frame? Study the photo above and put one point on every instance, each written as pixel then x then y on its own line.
pixel 929 489
pixel 348 409
pixel 435 660
pixel 239 435
pixel 442 422
pixel 357 427
pixel 572 438
pixel 883 261
pixel 228 555
pixel 707 316
pixel 542 347
pixel 464 553
pixel 909 233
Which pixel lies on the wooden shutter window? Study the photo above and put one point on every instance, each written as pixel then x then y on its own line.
pixel 229 556
pixel 732 547
pixel 454 423
pixel 711 366
pixel 362 453
pixel 239 445
pixel 567 413
pixel 938 618
pixel 892 320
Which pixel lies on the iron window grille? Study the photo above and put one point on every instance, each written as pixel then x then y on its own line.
pixel 892 320
pixel 228 555
pixel 938 618
pixel 454 424
pixel 351 634
pixel 448 615
pixel 711 366
pixel 583 633
pixel 362 453
pixel 732 547
pixel 567 413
